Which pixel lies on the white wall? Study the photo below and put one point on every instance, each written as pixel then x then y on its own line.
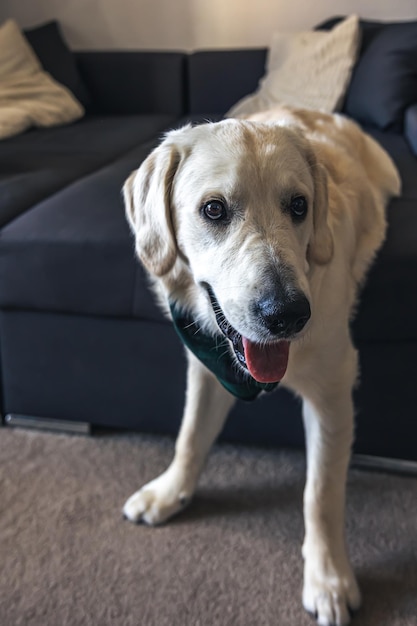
pixel 190 24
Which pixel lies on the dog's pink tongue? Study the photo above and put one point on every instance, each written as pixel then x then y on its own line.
pixel 266 363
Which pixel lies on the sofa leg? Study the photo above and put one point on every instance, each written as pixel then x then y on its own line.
pixel 46 423
pixel 382 464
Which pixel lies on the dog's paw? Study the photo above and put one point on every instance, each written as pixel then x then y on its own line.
pixel 330 593
pixel 157 501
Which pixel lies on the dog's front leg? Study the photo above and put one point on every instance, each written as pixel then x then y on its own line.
pixel 206 408
pixel 330 588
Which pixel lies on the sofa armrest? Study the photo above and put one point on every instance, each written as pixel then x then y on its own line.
pixel 130 82
pixel 410 127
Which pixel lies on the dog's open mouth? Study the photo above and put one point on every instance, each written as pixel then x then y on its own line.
pixel 266 362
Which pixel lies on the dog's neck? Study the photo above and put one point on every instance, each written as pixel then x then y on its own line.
pixel 214 353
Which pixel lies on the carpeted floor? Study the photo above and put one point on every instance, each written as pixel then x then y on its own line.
pixel 67 558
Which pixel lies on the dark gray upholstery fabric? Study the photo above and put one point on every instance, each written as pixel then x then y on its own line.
pixel 410 127
pixel 388 305
pixel 385 396
pixel 132 83
pixel 38 163
pixel 99 370
pixel 57 59
pixel 219 78
pixel 131 373
pixel 384 83
pixel 73 253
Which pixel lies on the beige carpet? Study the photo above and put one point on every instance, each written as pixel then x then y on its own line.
pixel 67 558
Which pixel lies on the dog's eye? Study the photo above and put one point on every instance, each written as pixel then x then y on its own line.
pixel 215 210
pixel 298 208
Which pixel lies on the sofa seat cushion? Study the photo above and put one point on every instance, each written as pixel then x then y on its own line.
pixel 74 253
pixel 39 163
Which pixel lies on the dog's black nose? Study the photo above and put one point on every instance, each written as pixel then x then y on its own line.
pixel 284 316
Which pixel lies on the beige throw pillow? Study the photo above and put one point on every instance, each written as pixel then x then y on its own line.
pixel 309 70
pixel 28 95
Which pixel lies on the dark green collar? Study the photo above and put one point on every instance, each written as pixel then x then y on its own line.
pixel 214 353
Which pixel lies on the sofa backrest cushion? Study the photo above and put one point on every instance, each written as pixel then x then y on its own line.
pixel 384 80
pixel 57 59
pixel 134 82
pixel 217 79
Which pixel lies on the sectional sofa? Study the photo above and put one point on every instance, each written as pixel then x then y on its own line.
pixel 81 338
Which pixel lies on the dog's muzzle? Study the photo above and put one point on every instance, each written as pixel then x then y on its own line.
pixel 282 319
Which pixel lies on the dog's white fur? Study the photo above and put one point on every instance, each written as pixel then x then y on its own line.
pixel 255 166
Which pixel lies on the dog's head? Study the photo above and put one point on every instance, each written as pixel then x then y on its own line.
pixel 240 209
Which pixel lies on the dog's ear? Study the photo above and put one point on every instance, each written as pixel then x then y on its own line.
pixel 147 197
pixel 321 243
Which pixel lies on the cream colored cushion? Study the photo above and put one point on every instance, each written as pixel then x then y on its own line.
pixel 28 95
pixel 308 70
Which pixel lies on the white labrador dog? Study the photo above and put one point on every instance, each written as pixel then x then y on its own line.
pixel 257 234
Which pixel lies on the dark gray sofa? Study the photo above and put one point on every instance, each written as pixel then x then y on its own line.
pixel 81 338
